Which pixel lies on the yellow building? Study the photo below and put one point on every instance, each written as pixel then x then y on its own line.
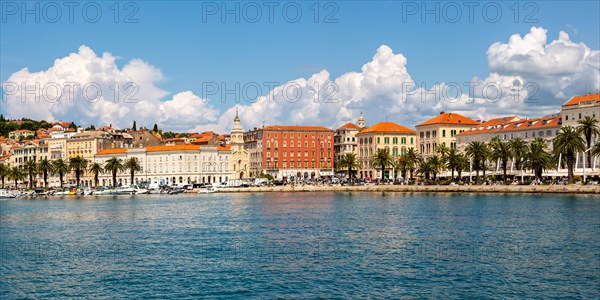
pixel 396 139
pixel 441 130
pixel 579 107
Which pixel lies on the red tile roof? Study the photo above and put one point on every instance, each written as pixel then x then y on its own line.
pixel 296 128
pixel 577 100
pixel 112 151
pixel 510 124
pixel 349 125
pixel 172 148
pixel 387 127
pixel 224 148
pixel 450 118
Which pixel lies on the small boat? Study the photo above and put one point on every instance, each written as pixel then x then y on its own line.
pixel 176 191
pixel 61 193
pixel 141 191
pixel 101 192
pixel 208 190
pixel 88 191
pixel 4 194
pixel 125 190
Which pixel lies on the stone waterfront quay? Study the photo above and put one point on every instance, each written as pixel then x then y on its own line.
pixel 550 189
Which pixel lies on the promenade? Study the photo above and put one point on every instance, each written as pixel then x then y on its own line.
pixel 551 189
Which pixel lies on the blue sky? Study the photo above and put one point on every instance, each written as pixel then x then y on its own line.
pixel 173 37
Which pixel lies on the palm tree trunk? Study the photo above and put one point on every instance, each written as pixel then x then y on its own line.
pixel 132 176
pixel 589 153
pixel 114 175
pixel 45 179
pixel 3 182
pixel 570 168
pixel 95 179
pixel 60 175
pixel 382 173
pixel 30 180
pixel 477 176
pixel 77 177
pixel 504 171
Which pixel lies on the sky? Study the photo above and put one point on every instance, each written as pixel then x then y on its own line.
pixel 189 65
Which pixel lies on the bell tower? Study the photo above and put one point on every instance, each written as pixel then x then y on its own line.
pixel 237 132
pixel 361 121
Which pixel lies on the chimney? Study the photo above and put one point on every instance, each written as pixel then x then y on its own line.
pixel 441 112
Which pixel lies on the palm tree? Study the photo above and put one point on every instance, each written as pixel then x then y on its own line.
pixel 96 169
pixel 61 168
pixel 452 160
pixel 133 165
pixel 589 127
pixel 382 159
pixel 596 149
pixel 401 163
pixel 349 162
pixel 4 171
pixel 31 170
pixel 477 152
pixel 462 163
pixel 569 142
pixel 501 152
pixel 45 167
pixel 78 164
pixel 425 168
pixel 412 161
pixel 538 158
pixel 436 165
pixel 518 148
pixel 113 166
pixel 17 174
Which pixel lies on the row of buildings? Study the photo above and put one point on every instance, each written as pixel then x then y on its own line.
pixel 284 152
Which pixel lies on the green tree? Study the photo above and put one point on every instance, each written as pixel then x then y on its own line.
pixel 134 127
pixel 114 165
pixel 588 127
pixel 462 163
pixel 568 143
pixel 452 160
pixel 17 174
pixel 78 164
pixel 349 162
pixel 155 128
pixel 477 152
pixel 96 169
pixel 518 148
pixel 596 149
pixel 133 165
pixel 412 161
pixel 4 171
pixel 538 158
pixel 436 165
pixel 45 167
pixel 382 159
pixel 425 168
pixel 61 168
pixel 500 151
pixel 401 163
pixel 30 168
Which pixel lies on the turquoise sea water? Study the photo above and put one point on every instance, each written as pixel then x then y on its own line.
pixel 301 245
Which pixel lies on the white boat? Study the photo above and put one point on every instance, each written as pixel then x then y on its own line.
pixel 125 190
pixel 141 191
pixel 101 192
pixel 61 193
pixel 4 194
pixel 209 190
pixel 88 191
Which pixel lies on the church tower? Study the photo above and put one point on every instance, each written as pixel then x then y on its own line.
pixel 239 156
pixel 361 121
pixel 237 133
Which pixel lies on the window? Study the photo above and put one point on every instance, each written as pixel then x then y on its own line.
pixel 443 132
